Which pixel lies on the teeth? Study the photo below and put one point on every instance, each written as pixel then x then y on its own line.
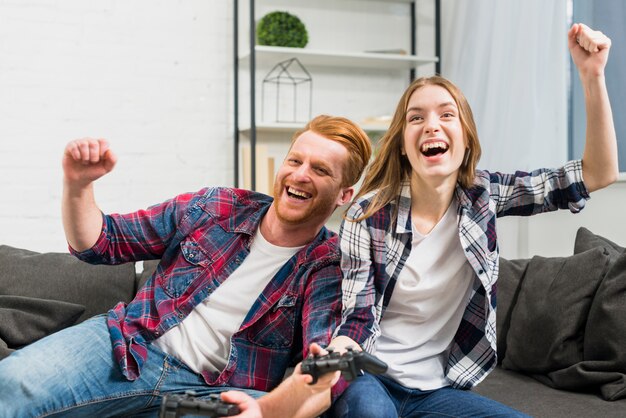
pixel 299 193
pixel 431 145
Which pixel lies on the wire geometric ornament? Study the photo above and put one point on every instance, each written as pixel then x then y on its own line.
pixel 286 77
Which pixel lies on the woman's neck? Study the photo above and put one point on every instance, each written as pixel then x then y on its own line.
pixel 429 202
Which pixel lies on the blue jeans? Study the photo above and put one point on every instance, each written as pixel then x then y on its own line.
pixel 73 373
pixel 382 397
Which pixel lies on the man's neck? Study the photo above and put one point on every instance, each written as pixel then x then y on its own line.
pixel 283 234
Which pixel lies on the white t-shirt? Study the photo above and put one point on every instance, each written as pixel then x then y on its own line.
pixel 202 339
pixel 426 306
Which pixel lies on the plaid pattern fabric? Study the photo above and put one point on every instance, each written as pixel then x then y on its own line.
pixel 201 238
pixel 375 250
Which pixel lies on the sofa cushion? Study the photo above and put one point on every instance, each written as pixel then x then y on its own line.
pixel 62 277
pixel 24 320
pixel 586 240
pixel 604 365
pixel 509 283
pixel 548 321
pixel 149 267
pixel 4 349
pixel 605 335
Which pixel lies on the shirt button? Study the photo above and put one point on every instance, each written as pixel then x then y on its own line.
pixel 480 272
pixel 180 315
pixel 191 255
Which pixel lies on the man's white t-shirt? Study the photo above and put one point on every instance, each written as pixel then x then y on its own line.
pixel 202 339
pixel 426 306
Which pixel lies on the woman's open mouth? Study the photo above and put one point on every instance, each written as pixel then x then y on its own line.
pixel 430 149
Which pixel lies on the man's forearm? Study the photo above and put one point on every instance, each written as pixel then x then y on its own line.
pixel 82 219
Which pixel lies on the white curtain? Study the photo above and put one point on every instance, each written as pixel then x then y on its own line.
pixel 510 58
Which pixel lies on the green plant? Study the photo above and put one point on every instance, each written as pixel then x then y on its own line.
pixel 281 29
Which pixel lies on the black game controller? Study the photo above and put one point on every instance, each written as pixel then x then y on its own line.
pixel 174 406
pixel 351 364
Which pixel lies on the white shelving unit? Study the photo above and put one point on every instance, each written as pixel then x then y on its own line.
pixel 271 54
pixel 339 59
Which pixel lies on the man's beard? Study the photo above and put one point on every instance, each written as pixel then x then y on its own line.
pixel 322 207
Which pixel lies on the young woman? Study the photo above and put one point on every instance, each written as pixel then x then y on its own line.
pixel 420 253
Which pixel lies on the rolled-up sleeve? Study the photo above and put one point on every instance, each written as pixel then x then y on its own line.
pixel 543 190
pixel 141 235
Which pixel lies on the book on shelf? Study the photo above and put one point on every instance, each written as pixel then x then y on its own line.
pixel 264 169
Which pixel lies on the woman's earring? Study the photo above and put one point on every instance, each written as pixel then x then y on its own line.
pixel 466 157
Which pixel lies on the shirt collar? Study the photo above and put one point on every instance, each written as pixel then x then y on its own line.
pixel 404 209
pixel 404 206
pixel 463 198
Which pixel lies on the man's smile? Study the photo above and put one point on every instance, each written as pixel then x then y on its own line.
pixel 298 194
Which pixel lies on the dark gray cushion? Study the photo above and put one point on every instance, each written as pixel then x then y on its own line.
pixel 586 240
pixel 605 334
pixel 509 282
pixel 24 320
pixel 604 365
pixel 4 349
pixel 60 276
pixel 149 267
pixel 548 321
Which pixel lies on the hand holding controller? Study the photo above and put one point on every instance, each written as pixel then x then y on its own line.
pixel 174 406
pixel 351 364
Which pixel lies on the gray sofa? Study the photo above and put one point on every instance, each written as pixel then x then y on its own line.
pixel 561 321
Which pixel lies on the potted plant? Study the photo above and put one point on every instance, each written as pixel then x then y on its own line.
pixel 281 29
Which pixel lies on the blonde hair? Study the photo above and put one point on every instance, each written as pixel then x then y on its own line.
pixel 348 134
pixel 390 168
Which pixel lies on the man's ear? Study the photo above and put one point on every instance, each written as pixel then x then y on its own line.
pixel 345 196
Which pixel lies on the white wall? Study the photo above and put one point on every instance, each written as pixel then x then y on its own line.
pixel 552 234
pixel 153 77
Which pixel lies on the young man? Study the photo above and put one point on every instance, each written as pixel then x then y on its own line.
pixel 245 285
